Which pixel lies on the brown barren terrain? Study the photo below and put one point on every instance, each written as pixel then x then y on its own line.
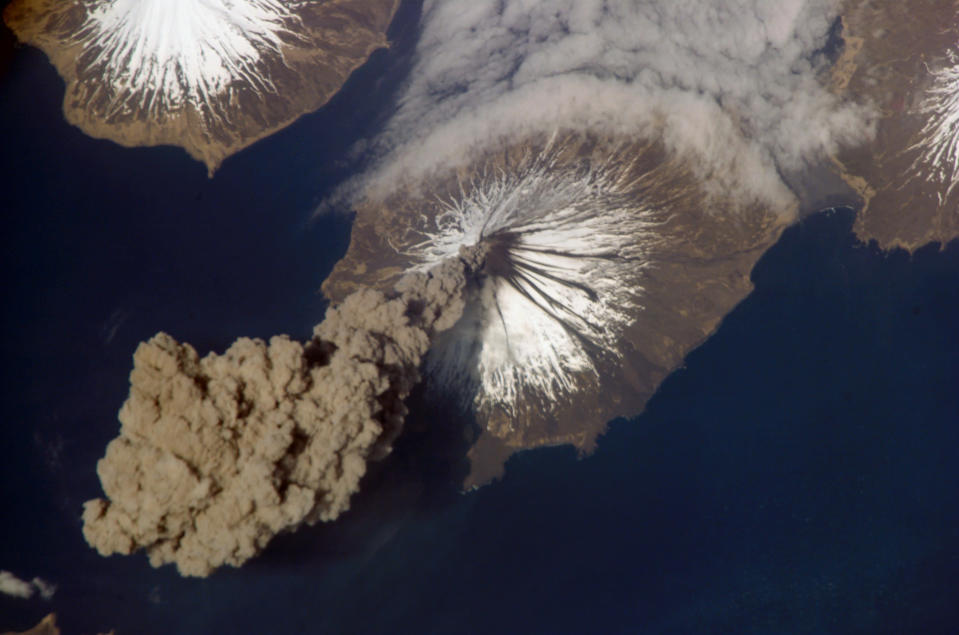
pixel 337 37
pixel 890 48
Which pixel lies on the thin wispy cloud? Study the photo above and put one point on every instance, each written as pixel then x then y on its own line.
pixel 13 586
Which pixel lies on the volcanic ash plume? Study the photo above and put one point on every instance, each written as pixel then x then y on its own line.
pixel 217 455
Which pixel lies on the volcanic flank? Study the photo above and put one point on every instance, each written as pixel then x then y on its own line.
pixel 625 163
pixel 217 455
pixel 211 76
pixel 905 58
pixel 608 261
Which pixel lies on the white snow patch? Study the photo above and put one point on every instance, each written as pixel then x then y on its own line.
pixel 577 244
pixel 158 54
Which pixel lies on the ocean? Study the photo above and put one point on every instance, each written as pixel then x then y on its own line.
pixel 800 473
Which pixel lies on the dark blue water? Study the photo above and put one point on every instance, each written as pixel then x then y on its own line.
pixel 799 475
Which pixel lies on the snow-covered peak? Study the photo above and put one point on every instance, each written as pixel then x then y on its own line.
pixel 568 244
pixel 156 54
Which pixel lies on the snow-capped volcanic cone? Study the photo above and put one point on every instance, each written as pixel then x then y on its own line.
pixel 608 259
pixel 904 57
pixel 212 76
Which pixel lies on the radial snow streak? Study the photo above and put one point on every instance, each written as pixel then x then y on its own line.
pixel 939 143
pixel 567 246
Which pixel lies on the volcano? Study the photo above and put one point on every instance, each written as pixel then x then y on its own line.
pixel 608 260
pixel 211 76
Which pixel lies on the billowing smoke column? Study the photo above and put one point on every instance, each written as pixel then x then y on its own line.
pixel 939 137
pixel 217 455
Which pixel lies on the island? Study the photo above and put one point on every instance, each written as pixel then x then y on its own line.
pixel 609 261
pixel 210 76
pixel 687 264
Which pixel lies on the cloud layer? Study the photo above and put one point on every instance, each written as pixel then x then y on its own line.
pixel 733 83
pixel 11 585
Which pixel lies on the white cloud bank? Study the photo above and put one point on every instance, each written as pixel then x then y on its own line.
pixel 734 84
pixel 14 586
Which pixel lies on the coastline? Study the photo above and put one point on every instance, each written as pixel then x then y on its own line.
pixel 318 76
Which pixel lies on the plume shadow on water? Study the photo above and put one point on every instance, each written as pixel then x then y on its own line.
pixel 420 476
